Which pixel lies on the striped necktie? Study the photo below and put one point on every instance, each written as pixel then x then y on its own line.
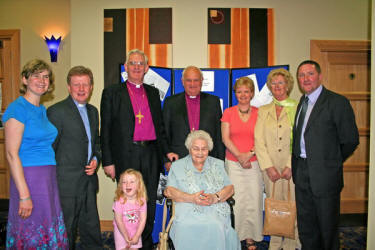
pixel 301 119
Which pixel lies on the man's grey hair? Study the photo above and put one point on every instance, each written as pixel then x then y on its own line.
pixel 191 68
pixel 136 51
pixel 199 134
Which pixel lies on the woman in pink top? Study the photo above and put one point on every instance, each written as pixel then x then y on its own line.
pixel 237 128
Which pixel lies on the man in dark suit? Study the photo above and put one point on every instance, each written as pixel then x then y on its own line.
pixel 132 132
pixel 192 110
pixel 324 136
pixel 77 149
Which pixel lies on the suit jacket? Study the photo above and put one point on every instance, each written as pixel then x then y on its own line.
pixel 177 123
pixel 331 136
pixel 117 125
pixel 71 147
pixel 272 138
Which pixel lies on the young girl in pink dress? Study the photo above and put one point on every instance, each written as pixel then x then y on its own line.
pixel 130 210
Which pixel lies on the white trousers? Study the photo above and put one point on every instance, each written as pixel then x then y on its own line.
pixel 248 195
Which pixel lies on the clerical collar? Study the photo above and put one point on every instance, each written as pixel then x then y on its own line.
pixel 191 96
pixel 136 85
pixel 79 105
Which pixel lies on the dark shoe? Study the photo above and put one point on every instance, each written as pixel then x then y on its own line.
pixel 250 245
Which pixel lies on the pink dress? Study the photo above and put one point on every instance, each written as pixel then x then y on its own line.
pixel 131 216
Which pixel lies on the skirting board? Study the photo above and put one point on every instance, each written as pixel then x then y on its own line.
pixel 106 225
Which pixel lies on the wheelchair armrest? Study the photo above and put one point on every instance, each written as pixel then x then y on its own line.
pixel 169 202
pixel 231 201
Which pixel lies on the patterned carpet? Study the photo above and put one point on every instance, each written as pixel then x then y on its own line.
pixel 351 238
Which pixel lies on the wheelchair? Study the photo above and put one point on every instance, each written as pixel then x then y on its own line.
pixel 169 203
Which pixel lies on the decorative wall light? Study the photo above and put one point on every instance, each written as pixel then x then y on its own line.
pixel 53 46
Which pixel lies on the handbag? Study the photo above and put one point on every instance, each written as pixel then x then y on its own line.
pixel 163 235
pixel 280 216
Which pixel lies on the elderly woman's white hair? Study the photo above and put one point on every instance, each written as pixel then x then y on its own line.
pixel 199 134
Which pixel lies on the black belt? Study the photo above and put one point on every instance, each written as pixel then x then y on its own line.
pixel 144 143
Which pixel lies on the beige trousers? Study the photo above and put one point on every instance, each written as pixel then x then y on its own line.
pixel 248 195
pixel 281 193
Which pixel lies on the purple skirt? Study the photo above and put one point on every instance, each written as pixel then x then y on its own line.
pixel 45 228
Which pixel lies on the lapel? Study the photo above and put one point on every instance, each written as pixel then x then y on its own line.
pixel 149 98
pixel 76 116
pixel 125 99
pixel 272 112
pixel 183 110
pixel 202 111
pixel 319 105
pixel 91 116
pixel 297 112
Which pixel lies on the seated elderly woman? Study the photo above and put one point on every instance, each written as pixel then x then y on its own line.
pixel 199 186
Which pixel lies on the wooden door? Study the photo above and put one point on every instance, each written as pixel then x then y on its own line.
pixel 346 70
pixel 10 83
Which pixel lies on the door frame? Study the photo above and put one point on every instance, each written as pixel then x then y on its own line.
pixel 12 91
pixel 9 92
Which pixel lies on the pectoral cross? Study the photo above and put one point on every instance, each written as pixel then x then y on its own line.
pixel 139 116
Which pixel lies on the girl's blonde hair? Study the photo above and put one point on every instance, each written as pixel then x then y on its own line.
pixel 141 195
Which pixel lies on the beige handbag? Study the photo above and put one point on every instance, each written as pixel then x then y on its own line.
pixel 280 216
pixel 163 235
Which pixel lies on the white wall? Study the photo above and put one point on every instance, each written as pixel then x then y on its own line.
pixel 35 19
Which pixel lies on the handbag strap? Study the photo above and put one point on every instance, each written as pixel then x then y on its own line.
pixel 273 190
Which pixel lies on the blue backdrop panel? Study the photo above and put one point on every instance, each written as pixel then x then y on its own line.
pixel 261 75
pixel 221 88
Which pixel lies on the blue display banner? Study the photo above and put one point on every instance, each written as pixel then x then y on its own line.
pixel 216 82
pixel 259 76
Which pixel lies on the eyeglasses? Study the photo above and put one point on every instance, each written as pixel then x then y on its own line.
pixel 197 149
pixel 277 83
pixel 133 63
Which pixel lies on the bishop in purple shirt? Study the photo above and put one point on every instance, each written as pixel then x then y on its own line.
pixel 192 110
pixel 132 132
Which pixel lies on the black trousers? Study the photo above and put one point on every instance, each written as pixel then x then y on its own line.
pixel 317 217
pixel 80 212
pixel 146 160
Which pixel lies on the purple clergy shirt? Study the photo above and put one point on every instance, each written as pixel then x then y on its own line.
pixel 193 110
pixel 144 129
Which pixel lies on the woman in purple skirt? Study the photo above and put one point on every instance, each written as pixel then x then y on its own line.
pixel 35 219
